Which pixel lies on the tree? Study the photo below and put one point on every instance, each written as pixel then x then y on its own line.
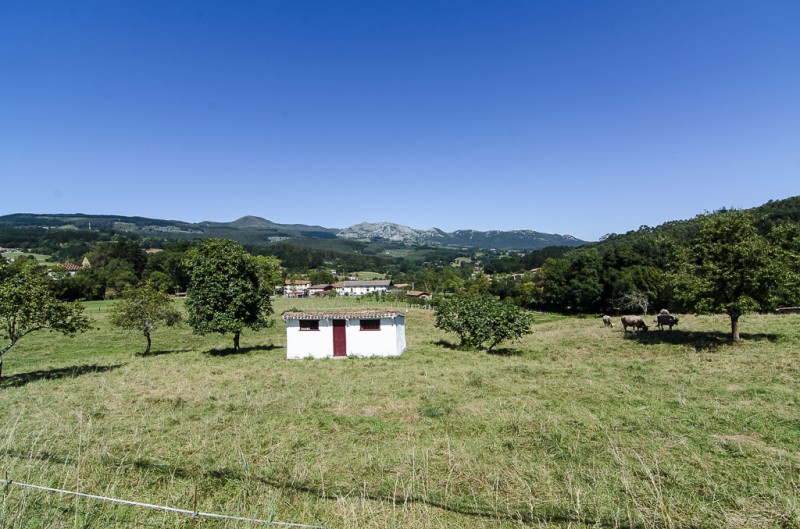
pixel 143 308
pixel 229 289
pixel 635 299
pixel 481 321
pixel 321 276
pixel 28 303
pixel 731 267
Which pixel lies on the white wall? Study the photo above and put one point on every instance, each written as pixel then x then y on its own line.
pixel 305 344
pixel 389 341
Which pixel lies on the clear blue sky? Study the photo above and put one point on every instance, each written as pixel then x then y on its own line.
pixel 578 117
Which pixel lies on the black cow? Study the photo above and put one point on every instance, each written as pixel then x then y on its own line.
pixel 666 319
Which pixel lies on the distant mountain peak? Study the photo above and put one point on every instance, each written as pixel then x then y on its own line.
pixel 516 239
pixel 389 231
pixel 251 221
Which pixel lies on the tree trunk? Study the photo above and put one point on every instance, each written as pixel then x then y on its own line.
pixel 1 367
pixel 735 327
pixel 149 342
pixel 236 342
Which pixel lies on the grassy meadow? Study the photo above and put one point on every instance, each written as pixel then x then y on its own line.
pixel 574 426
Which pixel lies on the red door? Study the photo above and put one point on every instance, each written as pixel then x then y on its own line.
pixel 339 338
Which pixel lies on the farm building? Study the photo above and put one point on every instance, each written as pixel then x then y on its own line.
pixel 418 294
pixel 359 288
pixel 345 333
pixel 296 288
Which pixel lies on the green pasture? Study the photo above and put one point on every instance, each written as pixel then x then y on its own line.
pixel 368 276
pixel 576 426
pixel 43 259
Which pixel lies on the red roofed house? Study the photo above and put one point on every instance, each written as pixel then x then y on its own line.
pixel 296 288
pixel 345 333
pixel 418 294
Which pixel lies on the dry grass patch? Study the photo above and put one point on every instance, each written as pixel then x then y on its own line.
pixel 578 426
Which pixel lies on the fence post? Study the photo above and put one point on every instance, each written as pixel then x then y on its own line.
pixel 194 507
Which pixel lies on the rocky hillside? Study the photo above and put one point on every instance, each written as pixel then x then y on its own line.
pixel 500 240
pixel 257 230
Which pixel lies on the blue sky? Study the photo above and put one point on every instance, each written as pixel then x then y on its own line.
pixel 578 117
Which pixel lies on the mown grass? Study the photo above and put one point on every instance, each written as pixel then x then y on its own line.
pixel 577 425
pixel 42 258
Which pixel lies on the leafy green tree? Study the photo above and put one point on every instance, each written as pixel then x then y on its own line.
pixel 321 276
pixel 28 303
pixel 169 261
pixel 229 289
pixel 573 283
pixel 161 281
pixel 482 321
pixel 118 275
pixel 731 267
pixel 640 287
pixel 270 273
pixel 143 308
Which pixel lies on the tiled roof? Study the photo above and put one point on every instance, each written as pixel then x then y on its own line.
pixel 297 282
pixel 373 283
pixel 66 265
pixel 342 315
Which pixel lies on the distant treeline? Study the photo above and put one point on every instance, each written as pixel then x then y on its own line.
pixel 608 276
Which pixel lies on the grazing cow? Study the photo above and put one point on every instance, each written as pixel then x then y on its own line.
pixel 607 321
pixel 666 319
pixel 663 311
pixel 636 322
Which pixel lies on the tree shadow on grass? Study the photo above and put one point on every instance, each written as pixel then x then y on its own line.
pixel 505 351
pixel 160 353
pixel 708 341
pixel 502 351
pixel 447 345
pixel 21 379
pixel 524 515
pixel 228 351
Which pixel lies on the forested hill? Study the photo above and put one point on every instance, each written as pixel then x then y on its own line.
pixel 258 231
pixel 766 215
pixel 247 230
pixel 605 276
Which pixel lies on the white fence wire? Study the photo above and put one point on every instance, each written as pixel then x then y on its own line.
pixel 193 514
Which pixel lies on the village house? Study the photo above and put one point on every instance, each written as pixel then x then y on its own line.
pixel 296 288
pixel 360 288
pixel 344 333
pixel 418 294
pixel 319 290
pixel 71 267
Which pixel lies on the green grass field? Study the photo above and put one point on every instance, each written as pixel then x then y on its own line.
pixel 41 258
pixel 575 426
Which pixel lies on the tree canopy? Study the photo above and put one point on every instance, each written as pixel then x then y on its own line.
pixel 229 289
pixel 144 308
pixel 28 304
pixel 733 268
pixel 482 321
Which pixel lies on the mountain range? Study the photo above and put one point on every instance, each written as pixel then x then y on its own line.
pixel 256 230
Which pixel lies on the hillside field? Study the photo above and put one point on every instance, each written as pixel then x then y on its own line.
pixel 575 426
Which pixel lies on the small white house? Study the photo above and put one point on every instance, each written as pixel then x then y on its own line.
pixel 360 288
pixel 296 288
pixel 345 333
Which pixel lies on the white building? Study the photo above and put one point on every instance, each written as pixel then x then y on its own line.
pixel 345 333
pixel 359 288
pixel 296 288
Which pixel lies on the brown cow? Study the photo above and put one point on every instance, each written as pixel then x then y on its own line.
pixel 636 322
pixel 607 321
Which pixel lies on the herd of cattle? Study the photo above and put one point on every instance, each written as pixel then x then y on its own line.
pixel 663 319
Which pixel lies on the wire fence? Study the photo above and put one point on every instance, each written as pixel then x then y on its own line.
pixel 193 513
